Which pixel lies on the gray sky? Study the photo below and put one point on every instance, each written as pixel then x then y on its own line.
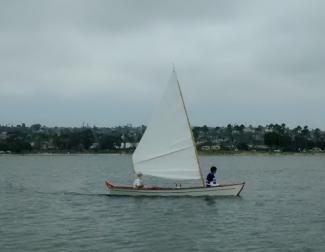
pixel 107 62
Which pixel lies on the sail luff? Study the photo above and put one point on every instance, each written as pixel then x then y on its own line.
pixel 189 125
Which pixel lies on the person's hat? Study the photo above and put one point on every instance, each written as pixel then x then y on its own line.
pixel 139 174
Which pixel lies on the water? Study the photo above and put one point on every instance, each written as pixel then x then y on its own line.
pixel 58 203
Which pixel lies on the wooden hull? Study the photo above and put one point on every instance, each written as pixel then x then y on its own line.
pixel 222 190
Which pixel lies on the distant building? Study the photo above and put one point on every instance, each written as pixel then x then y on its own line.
pixel 316 149
pixel 249 130
pixel 94 146
pixel 128 145
pixel 215 147
pixel 260 147
pixel 205 148
pixel 3 136
pixel 47 146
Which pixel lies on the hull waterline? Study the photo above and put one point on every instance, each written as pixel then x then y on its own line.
pixel 222 190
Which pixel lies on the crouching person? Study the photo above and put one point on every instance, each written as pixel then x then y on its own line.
pixel 138 184
pixel 211 179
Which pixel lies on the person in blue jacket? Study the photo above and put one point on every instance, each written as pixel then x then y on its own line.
pixel 211 178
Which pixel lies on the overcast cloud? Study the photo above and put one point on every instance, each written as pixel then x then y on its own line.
pixel 106 62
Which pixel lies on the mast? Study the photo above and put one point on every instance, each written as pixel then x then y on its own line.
pixel 189 125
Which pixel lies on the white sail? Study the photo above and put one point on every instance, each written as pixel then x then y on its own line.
pixel 166 148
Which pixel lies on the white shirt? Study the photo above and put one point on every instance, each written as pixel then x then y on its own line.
pixel 137 183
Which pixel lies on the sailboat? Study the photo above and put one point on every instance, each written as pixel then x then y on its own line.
pixel 167 150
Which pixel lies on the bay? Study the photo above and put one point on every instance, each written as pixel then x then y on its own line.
pixel 59 203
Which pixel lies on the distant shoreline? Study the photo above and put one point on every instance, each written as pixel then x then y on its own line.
pixel 230 139
pixel 201 153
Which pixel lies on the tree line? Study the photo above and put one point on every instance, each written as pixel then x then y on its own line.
pixel 39 138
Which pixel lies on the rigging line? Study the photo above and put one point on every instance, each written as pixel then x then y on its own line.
pixel 165 154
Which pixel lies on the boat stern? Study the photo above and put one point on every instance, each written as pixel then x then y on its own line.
pixel 241 188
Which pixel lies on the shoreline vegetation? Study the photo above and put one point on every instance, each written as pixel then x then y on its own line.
pixel 215 153
pixel 226 140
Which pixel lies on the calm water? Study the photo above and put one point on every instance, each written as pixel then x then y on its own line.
pixel 58 203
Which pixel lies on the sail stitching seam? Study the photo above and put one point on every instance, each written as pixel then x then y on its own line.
pixel 165 154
